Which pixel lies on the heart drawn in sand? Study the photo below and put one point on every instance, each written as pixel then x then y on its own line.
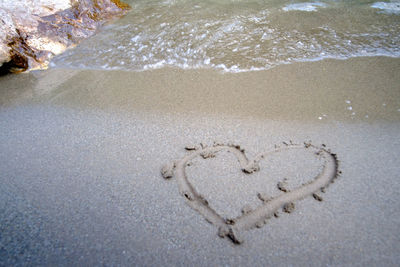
pixel 257 217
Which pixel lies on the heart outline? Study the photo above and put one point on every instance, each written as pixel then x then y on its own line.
pixel 231 227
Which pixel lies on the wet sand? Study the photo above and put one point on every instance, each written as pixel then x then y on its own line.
pixel 82 152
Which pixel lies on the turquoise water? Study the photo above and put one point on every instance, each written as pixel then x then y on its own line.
pixel 238 35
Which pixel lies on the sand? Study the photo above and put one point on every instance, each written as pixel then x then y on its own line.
pixel 230 227
pixel 82 154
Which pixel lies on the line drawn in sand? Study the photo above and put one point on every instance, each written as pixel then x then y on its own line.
pixel 257 217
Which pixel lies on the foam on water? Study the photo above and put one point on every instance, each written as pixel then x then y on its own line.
pixel 304 6
pixel 237 36
pixel 391 7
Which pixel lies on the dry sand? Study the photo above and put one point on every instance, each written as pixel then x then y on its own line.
pixel 82 152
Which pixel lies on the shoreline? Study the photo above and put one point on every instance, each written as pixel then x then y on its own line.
pixel 359 89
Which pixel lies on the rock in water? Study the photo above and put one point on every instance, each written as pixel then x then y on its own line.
pixel 32 31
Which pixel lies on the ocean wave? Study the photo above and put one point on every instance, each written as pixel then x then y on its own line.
pixel 230 38
pixel 308 6
pixel 388 7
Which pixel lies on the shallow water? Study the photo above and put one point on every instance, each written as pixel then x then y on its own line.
pixel 239 35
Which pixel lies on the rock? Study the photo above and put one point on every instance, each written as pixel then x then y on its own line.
pixel 32 31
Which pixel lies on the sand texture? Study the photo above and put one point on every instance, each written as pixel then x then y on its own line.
pixel 251 218
pixel 84 156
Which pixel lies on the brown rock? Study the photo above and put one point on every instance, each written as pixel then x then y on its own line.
pixel 32 31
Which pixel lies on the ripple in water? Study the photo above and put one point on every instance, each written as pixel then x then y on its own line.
pixel 237 36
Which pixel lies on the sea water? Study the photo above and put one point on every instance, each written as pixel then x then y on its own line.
pixel 239 35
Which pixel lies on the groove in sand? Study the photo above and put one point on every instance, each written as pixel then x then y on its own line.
pixel 257 217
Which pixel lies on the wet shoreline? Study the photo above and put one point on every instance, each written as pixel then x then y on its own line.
pixel 359 89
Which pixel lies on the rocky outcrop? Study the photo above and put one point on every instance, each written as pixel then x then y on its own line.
pixel 32 31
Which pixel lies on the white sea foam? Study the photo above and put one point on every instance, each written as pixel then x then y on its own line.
pixel 391 7
pixel 308 6
pixel 243 39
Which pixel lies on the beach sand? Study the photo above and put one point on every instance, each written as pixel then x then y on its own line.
pixel 82 153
